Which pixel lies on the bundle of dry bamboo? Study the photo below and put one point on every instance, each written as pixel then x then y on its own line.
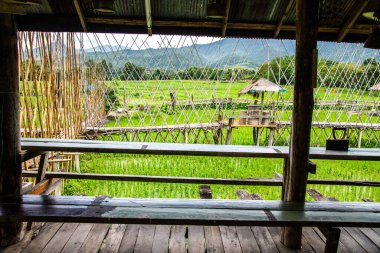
pixel 51 84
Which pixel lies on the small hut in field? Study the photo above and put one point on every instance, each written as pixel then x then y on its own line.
pixel 260 87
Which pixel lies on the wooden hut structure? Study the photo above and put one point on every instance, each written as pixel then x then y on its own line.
pixel 306 21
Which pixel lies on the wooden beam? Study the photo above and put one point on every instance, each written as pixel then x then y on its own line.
pixel 29 154
pixel 148 14
pixel 194 180
pixel 31 2
pixel 42 166
pixel 10 159
pixel 45 187
pixel 303 102
pixel 80 14
pixel 357 10
pixel 225 20
pixel 283 18
pixel 160 179
pixel 9 8
pixel 356 29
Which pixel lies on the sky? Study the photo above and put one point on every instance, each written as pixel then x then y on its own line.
pixel 142 41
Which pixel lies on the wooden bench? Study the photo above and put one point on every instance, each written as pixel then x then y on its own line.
pixel 188 212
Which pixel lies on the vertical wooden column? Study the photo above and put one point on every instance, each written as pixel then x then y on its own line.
pixel 296 176
pixel 10 165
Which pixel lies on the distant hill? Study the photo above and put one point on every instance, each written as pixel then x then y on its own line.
pixel 225 53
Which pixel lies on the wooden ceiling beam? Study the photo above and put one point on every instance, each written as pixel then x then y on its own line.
pixel 225 20
pixel 10 8
pixel 357 10
pixel 355 29
pixel 148 14
pixel 283 18
pixel 81 16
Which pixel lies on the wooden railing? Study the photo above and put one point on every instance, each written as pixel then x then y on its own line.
pixel 34 147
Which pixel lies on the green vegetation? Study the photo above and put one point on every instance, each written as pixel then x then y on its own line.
pixel 134 90
pixel 217 167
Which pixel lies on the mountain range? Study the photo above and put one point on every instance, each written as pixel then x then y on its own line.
pixel 225 53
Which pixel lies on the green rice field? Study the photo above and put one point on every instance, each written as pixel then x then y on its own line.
pixel 155 93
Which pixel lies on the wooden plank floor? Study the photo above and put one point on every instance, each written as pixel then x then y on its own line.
pixel 74 237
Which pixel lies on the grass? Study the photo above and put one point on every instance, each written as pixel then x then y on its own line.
pixel 156 93
pixel 214 167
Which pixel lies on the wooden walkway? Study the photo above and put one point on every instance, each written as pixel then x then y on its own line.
pixel 74 237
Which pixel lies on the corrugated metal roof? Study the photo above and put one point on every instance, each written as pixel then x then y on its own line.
pixel 265 14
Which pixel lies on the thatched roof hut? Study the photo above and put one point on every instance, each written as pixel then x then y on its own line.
pixel 376 87
pixel 261 86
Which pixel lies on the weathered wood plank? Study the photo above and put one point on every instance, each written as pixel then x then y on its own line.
pixel 365 154
pixel 264 240
pixel 366 243
pixel 197 241
pixel 177 241
pixel 333 244
pixel 161 179
pixel 213 239
pixel 129 240
pixel 78 238
pixel 372 235
pixel 247 240
pixel 274 205
pixel 161 239
pixel 349 243
pixel 276 232
pixel 189 212
pixel 144 240
pixel 21 245
pixel 113 240
pixel 94 238
pixel 230 239
pixel 313 239
pixel 60 238
pixel 43 238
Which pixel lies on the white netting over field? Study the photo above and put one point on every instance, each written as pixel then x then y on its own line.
pixel 185 89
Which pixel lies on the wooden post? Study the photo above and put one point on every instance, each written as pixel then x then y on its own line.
pixel 10 159
pixel 271 136
pixel 229 131
pixel 296 177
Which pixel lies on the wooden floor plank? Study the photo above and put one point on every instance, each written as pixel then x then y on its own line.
pixel 276 233
pixel 43 238
pixel 95 238
pixel 144 240
pixel 230 239
pixel 77 238
pixel 18 247
pixel 177 241
pixel 350 244
pixel 129 239
pixel 196 238
pixel 366 243
pixel 372 235
pixel 264 240
pixel 341 247
pixel 60 238
pixel 313 239
pixel 213 239
pixel 247 240
pixel 161 239
pixel 115 235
